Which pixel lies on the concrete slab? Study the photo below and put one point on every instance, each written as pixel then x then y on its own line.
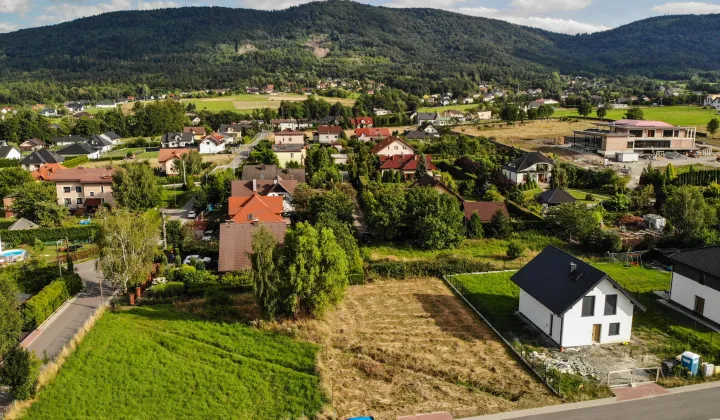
pixel 640 391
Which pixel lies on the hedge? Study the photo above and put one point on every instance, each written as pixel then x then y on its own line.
pixel 76 161
pixel 39 307
pixel 518 210
pixel 9 163
pixel 75 233
pixel 698 178
pixel 390 269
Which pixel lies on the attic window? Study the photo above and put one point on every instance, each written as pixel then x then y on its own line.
pixel 250 216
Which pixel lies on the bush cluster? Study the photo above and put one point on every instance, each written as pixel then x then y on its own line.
pixel 38 308
pixel 390 269
pixel 74 233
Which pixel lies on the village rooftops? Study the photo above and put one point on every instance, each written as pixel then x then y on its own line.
pixel 484 209
pixel 262 171
pixel 42 156
pixel 83 175
pixel 530 159
pixel 166 154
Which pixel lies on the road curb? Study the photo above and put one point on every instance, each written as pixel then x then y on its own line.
pixel 40 328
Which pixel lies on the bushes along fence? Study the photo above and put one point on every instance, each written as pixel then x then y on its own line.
pixel 75 233
pixel 38 308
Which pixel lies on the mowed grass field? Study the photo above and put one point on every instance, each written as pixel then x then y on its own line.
pixel 250 102
pixel 158 363
pixel 458 107
pixel 396 348
pixel 694 116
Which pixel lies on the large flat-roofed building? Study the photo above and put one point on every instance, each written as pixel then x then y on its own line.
pixel 609 138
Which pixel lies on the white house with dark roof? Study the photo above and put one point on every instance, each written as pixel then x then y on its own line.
pixel 9 152
pixel 572 302
pixel 532 167
pixel 696 281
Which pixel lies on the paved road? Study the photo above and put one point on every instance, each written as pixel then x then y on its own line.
pixel 243 151
pixel 181 213
pixel 700 404
pixel 63 326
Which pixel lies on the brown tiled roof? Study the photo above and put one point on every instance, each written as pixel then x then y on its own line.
pixel 200 131
pixel 83 175
pixel 387 141
pixel 236 243
pixel 246 188
pixel 216 138
pixel 484 209
pixel 46 171
pixel 329 129
pixel 290 133
pixel 361 120
pixel 167 154
pixel 372 132
pixel 430 181
pixel 404 162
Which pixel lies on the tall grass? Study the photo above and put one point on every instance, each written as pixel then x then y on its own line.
pixel 156 362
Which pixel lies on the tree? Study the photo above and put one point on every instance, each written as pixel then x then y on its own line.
pixel 12 179
pixel 264 271
pixel 434 219
pixel 475 227
pixel 385 211
pixel 421 169
pixel 127 243
pixel 499 226
pixel 10 322
pixel 585 108
pixel 190 162
pixel 37 201
pixel 713 126
pixel 19 371
pixel 263 153
pixel 135 187
pixel 514 251
pixel 346 239
pixel 688 214
pixel 642 197
pixel 601 112
pixel 510 113
pixel 634 113
pixel 558 177
pixel 572 221
pixel 87 127
pixel 670 172
pixel 215 189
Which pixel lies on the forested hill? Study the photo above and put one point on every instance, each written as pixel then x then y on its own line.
pixel 199 47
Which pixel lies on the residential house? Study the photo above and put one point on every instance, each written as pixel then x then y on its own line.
pixel 112 136
pixel 45 172
pixel 231 130
pixel 540 102
pixel 555 197
pixel 339 158
pixel 79 149
pixel 9 152
pixel 195 120
pixel 436 184
pixel 49 112
pixel 289 137
pixel 484 209
pixel 7 205
pixel 640 136
pixel 290 152
pixel 467 101
pixel 710 99
pixel 362 122
pixel 372 134
pixel 30 145
pixel 451 113
pixel 264 172
pixel 419 135
pixel 67 140
pixel 426 117
pixel 489 98
pixel 284 124
pixel 379 111
pixel 327 134
pixel 392 146
pixel 407 164
pixel 83 188
pixel 197 132
pixel 100 143
pixel 212 143
pixel 236 241
pixel 170 160
pixel 533 166
pixel 74 107
pixel 483 115
pixel 696 281
pixel 172 140
pixel 106 104
pixel 572 302
pixel 40 158
pixel 277 187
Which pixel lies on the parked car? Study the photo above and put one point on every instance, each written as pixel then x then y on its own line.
pixel 207 235
pixel 190 257
pixel 192 214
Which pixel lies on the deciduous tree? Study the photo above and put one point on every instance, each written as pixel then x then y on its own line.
pixel 688 214
pixel 135 187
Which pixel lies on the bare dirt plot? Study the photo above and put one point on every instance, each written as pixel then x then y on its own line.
pixel 524 135
pixel 404 347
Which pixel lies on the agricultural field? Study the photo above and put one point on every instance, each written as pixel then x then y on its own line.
pixel 459 107
pixel 525 135
pixel 249 102
pixel 694 116
pixel 396 348
pixel 156 362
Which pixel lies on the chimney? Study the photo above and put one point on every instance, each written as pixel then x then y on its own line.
pixel 254 185
pixel 573 267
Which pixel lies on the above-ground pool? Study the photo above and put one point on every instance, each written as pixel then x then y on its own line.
pixel 12 255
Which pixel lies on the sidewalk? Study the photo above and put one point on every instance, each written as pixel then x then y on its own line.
pixel 59 329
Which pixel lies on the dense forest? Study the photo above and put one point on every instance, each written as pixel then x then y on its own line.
pixel 417 50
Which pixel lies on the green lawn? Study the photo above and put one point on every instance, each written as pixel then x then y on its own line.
pixel 157 363
pixel 121 153
pixel 175 199
pixel 249 102
pixel 679 115
pixel 580 194
pixel 459 107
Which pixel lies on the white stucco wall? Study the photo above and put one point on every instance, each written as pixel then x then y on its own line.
pixel 577 330
pixel 684 290
pixel 539 315
pixel 396 148
pixel 517 178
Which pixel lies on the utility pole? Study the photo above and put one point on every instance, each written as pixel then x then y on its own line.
pixel 164 231
pixel 57 252
pixel 183 165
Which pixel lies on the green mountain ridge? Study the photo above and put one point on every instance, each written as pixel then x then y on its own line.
pixel 199 47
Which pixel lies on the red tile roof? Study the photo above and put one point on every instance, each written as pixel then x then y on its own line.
pixel 289 132
pixel 484 209
pixel 167 154
pixel 404 162
pixel 329 129
pixel 200 131
pixel 257 208
pixel 372 132
pixel 362 120
pixel 46 171
pixel 83 175
pixel 236 243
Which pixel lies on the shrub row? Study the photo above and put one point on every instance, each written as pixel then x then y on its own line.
pixel 517 210
pixel 76 161
pixel 390 269
pixel 74 233
pixel 38 308
pixel 698 178
pixel 9 163
pixel 166 290
pixel 83 254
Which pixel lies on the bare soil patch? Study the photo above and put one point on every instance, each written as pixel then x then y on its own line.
pixel 404 347
pixel 525 135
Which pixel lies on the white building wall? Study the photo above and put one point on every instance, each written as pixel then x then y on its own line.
pixel 515 177
pixel 396 148
pixel 684 290
pixel 577 330
pixel 539 315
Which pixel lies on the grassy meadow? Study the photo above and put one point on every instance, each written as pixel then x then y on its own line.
pixel 458 107
pixel 679 115
pixel 156 362
pixel 248 102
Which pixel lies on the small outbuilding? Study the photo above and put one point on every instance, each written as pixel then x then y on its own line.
pixel 23 224
pixel 554 197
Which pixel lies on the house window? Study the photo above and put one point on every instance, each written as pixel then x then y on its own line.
pixel 614 329
pixel 669 133
pixel 78 189
pixel 92 193
pixel 651 133
pixel 588 306
pixel 631 145
pixel 611 305
pixel 102 189
pixel 292 155
pixel 702 279
pixel 79 201
pixel 66 189
pixel 68 201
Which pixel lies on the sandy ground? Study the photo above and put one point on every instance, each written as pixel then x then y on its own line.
pixel 405 347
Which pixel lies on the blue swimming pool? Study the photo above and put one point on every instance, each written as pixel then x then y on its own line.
pixel 13 253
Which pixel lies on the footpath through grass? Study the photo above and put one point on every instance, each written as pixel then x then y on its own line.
pixel 158 363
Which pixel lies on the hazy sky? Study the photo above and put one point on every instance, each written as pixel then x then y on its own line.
pixel 567 16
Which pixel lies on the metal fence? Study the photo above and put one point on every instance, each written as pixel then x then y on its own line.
pixel 550 376
pixel 635 376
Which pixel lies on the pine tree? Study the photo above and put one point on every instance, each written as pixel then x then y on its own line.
pixel 474 227
pixel 421 170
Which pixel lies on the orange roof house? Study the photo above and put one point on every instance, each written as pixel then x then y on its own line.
pixel 256 208
pixel 45 172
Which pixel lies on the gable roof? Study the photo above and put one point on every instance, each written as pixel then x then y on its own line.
pixel 705 259
pixel 524 162
pixel 257 209
pixel 224 128
pixel 404 162
pixel 427 116
pixel 246 188
pixel 83 175
pixel 23 224
pixel 362 120
pixel 32 142
pixel 200 131
pixel 419 135
pixel 42 156
pixel 166 154
pixel 236 240
pixel 216 138
pixel 428 180
pixel 184 137
pixel 76 149
pixel 288 132
pixel 548 280
pixel 556 196
pixel 372 132
pixel 329 129
pixel 484 209
pixel 387 141
pixel 112 135
pixel 263 172
pixel 5 151
pixel 46 171
pixel 68 139
pixel 100 141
